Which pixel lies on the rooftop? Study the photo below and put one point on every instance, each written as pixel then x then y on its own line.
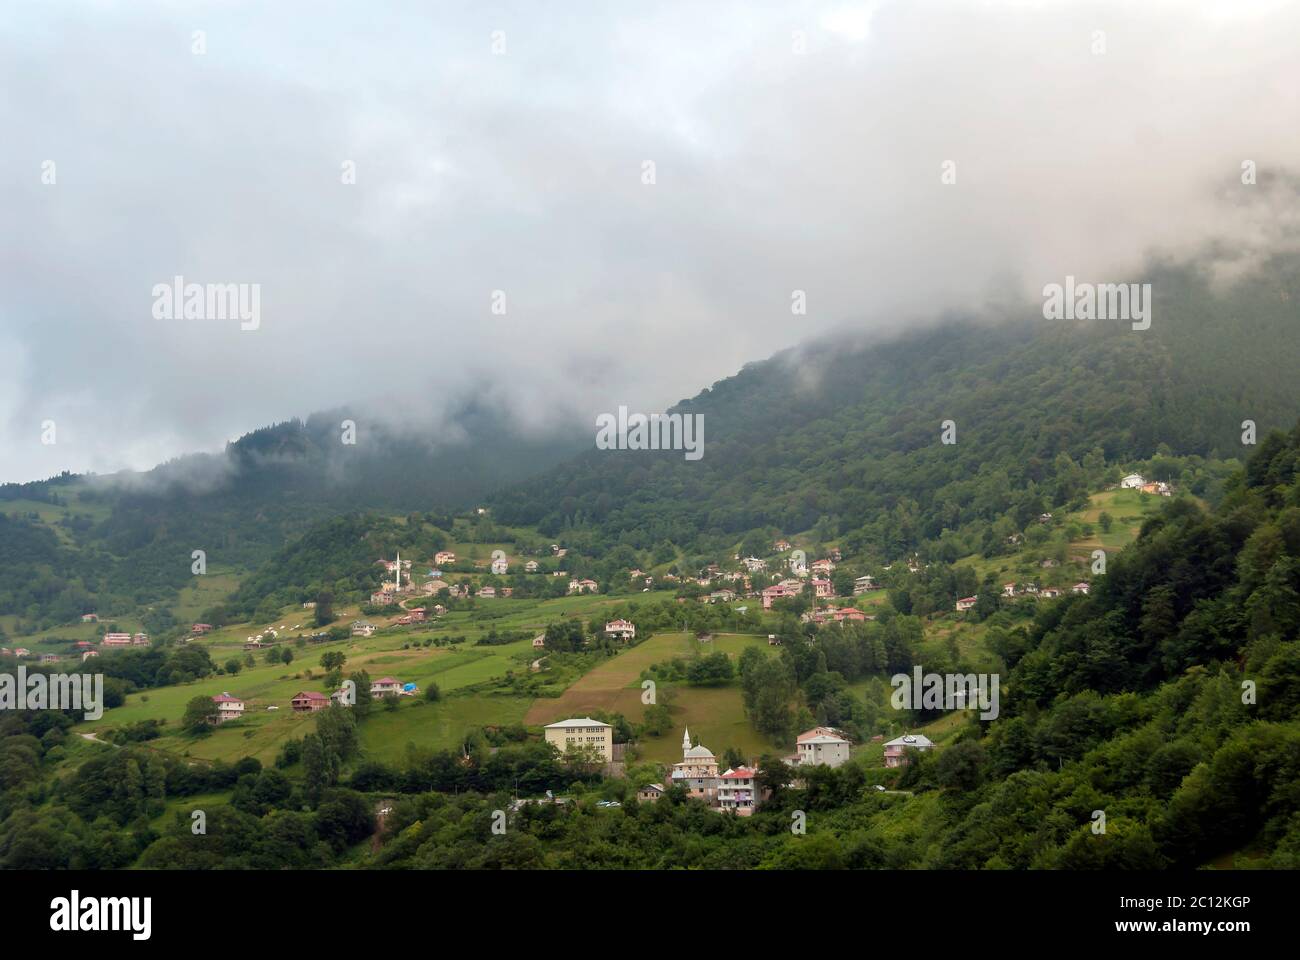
pixel 577 722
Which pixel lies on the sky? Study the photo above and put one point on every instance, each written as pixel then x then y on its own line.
pixel 441 200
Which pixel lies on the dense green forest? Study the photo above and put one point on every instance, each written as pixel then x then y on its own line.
pixel 839 439
pixel 1166 700
pixel 127 540
pixel 845 440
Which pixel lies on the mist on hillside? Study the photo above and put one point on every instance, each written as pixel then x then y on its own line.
pixel 893 162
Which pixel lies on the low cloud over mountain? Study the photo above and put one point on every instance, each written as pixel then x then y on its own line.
pixel 796 147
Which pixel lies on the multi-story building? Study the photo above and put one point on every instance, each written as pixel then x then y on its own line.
pixel 620 630
pixel 582 733
pixel 309 701
pixel 779 591
pixel 821 745
pixel 738 791
pixel 385 687
pixel 228 708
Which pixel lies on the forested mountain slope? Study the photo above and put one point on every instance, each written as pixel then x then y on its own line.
pixel 127 539
pixel 849 434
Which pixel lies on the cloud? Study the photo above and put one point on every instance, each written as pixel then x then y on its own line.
pixel 775 171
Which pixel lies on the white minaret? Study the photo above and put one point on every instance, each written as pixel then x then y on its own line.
pixel 686 740
pixel 399 571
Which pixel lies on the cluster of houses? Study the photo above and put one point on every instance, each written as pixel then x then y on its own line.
pixel 390 591
pixel 84 647
pixel 1017 590
pixel 230 707
pixel 737 789
pixel 1135 481
pixel 624 630
pixel 834 614
pixel 120 639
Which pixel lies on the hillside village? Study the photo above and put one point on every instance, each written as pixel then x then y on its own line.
pixel 728 684
pixel 770 596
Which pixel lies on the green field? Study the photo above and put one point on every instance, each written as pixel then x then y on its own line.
pixel 385 734
pixel 715 714
pixel 204 592
pixel 1128 509
pixel 262 731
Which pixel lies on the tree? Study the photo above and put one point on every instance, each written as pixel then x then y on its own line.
pixel 769 688
pixel 564 637
pixel 286 656
pixel 712 669
pixel 337 729
pixel 320 767
pixel 324 608
pixel 961 766
pixel 200 714
pixel 656 720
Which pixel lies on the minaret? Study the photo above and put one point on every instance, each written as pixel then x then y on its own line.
pixel 686 740
pixel 399 571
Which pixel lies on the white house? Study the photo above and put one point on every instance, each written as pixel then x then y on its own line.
pixel 822 745
pixel 362 628
pixel 620 630
pixel 228 707
pixel 738 791
pixel 385 687
pixel 1132 481
pixel 1080 587
pixel 894 749
pixel 500 565
pixel 966 603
